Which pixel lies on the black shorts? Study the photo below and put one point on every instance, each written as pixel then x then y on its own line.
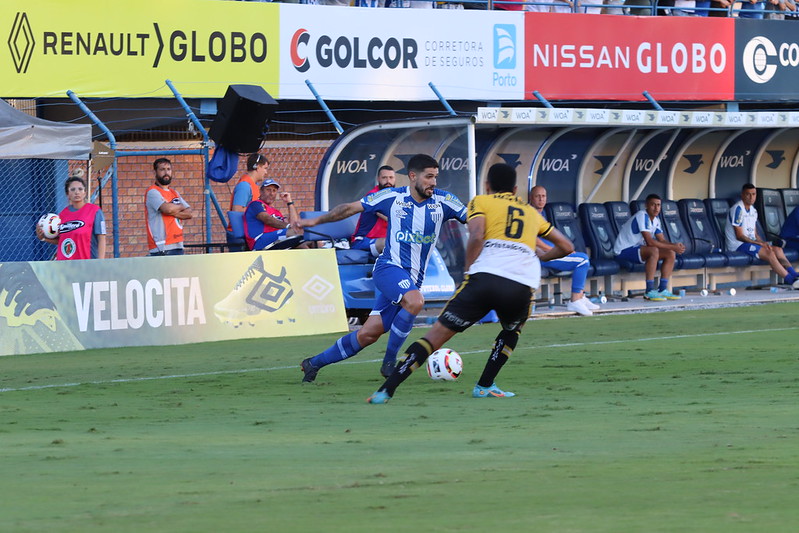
pixel 480 293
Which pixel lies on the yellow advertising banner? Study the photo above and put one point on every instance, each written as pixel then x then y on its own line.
pixel 53 306
pixel 127 49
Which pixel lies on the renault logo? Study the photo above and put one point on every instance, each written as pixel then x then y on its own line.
pixel 21 42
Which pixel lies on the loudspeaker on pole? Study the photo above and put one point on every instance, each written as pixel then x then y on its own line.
pixel 242 118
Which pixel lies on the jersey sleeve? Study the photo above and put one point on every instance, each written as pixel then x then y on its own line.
pixel 154 200
pixel 99 223
pixel 737 216
pixel 182 202
pixel 379 202
pixel 242 194
pixel 475 209
pixel 544 226
pixel 453 207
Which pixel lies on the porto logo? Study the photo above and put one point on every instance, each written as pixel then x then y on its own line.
pixel 351 52
pixel 21 42
pixel 504 46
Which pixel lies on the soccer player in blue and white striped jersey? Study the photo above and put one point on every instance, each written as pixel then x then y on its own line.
pixel 415 215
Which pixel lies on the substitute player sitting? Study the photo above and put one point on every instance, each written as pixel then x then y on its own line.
pixel 741 234
pixel 502 272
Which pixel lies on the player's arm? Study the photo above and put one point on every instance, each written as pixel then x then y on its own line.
pixel 541 247
pixel 101 242
pixel 661 242
pixel 474 245
pixel 740 234
pixel 340 212
pixel 179 211
pixel 241 197
pixel 271 220
pixel 561 246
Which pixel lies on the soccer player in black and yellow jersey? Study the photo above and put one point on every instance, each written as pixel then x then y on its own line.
pixel 502 273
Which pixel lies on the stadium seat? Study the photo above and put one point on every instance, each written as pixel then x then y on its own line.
pixel 790 200
pixel 637 205
pixel 619 214
pixel 236 219
pixel 675 231
pixel 770 212
pixel 564 218
pixel 600 235
pixel 337 231
pixel 705 241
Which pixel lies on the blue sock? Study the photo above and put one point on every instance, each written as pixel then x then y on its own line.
pixel 344 348
pixel 650 285
pixel 791 271
pixel 663 284
pixel 400 329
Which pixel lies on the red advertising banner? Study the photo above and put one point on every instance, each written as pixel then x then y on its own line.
pixel 608 57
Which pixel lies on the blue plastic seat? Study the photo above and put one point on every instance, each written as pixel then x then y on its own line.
pixel 336 231
pixel 600 236
pixel 619 214
pixel 564 218
pixel 705 242
pixel 675 232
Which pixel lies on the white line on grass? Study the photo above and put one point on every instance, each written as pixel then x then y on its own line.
pixel 272 369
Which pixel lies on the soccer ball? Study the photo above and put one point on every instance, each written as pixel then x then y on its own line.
pixel 444 365
pixel 49 224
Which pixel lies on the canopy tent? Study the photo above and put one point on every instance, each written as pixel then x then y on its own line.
pixel 25 137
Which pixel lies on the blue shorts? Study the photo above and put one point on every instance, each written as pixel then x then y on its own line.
pixel 265 239
pixel 365 243
pixel 749 248
pixel 391 282
pixel 632 254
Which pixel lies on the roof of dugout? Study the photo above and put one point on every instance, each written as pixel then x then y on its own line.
pixel 579 155
pixel 23 136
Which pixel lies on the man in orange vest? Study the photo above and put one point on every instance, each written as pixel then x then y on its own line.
pixel 165 212
pixel 245 191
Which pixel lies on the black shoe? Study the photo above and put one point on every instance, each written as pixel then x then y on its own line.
pixel 309 369
pixel 387 369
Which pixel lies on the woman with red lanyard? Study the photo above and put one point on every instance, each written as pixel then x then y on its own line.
pixel 81 234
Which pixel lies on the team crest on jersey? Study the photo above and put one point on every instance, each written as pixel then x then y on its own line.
pixel 404 284
pixel 68 248
pixel 437 216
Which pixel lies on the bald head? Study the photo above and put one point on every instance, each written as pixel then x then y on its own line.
pixel 538 197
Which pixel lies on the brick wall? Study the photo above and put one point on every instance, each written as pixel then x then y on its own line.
pixel 293 164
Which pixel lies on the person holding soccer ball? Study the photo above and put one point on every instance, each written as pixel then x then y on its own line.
pixel 502 272
pixel 82 231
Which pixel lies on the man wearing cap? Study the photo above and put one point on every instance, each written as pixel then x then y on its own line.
pixel 265 224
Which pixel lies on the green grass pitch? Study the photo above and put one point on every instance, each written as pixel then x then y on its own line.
pixel 662 422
